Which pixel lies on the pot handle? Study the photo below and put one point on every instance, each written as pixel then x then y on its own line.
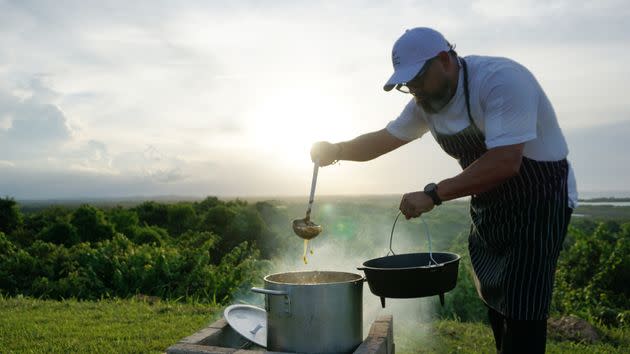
pixel 287 300
pixel 269 292
pixel 361 268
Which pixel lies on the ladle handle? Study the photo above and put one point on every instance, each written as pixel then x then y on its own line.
pixel 313 184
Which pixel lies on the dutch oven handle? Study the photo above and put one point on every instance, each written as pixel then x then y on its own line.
pixel 426 229
pixel 391 236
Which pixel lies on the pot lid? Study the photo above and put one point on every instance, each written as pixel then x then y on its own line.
pixel 249 321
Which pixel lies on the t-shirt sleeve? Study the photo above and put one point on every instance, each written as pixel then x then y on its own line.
pixel 410 124
pixel 511 107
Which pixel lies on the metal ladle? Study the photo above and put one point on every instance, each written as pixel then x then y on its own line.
pixel 305 228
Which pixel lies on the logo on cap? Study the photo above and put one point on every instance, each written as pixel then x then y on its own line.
pixel 395 58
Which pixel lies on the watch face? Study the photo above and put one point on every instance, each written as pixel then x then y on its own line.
pixel 431 190
pixel 430 187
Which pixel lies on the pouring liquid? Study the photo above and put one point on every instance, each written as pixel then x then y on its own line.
pixel 305 248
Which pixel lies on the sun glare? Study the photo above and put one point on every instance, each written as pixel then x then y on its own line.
pixel 286 123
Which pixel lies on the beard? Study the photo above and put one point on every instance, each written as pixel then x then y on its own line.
pixel 434 102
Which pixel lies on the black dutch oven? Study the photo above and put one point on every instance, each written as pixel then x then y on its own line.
pixel 411 275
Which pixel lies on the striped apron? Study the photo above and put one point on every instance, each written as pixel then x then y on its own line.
pixel 517 228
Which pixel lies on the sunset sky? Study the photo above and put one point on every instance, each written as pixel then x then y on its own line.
pixel 225 98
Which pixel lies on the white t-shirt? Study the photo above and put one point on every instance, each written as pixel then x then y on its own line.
pixel 508 106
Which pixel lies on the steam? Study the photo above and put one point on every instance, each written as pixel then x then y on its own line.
pixel 336 250
pixel 355 233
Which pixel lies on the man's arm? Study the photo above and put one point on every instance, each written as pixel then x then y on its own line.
pixel 488 171
pixel 362 148
pixel 491 169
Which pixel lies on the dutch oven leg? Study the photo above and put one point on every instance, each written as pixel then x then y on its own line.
pixel 442 299
pixel 383 302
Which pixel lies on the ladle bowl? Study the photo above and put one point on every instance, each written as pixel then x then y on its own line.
pixel 306 229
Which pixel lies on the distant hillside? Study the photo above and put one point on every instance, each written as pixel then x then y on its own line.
pixel 605 200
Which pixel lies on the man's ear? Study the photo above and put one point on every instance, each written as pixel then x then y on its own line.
pixel 445 59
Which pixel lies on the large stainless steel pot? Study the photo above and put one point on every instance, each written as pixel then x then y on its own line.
pixel 313 312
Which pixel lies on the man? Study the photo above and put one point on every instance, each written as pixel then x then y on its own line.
pixel 492 116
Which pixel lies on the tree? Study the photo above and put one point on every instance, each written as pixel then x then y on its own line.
pixel 206 204
pixel 91 224
pixel 125 221
pixel 149 235
pixel 60 233
pixel 181 218
pixel 218 218
pixel 10 216
pixel 152 213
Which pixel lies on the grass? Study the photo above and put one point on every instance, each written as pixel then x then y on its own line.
pixel 106 326
pixel 448 336
pixel 135 326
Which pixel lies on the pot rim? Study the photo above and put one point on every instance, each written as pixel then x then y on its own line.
pixel 359 278
pixel 364 267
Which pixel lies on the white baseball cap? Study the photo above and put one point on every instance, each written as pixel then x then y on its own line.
pixel 411 51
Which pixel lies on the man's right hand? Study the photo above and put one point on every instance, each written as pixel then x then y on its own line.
pixel 325 153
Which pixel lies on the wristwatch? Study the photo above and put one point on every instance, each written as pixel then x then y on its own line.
pixel 431 190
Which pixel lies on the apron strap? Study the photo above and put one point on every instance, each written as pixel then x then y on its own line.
pixel 467 93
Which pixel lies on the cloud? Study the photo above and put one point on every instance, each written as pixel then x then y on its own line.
pixel 4 163
pixel 152 164
pixel 33 126
pixel 35 136
pixel 91 156
pixel 35 123
pixel 167 176
pixel 168 99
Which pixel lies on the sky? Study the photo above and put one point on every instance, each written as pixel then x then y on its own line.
pixel 196 98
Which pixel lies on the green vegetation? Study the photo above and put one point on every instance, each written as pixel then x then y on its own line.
pixel 603 212
pixel 106 326
pixel 449 336
pixel 199 256
pixel 141 325
pixel 606 200
pixel 204 250
pixel 593 276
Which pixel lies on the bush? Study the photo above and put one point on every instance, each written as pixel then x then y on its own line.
pixel 90 254
pixel 593 276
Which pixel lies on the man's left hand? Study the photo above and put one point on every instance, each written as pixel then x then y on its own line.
pixel 414 204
